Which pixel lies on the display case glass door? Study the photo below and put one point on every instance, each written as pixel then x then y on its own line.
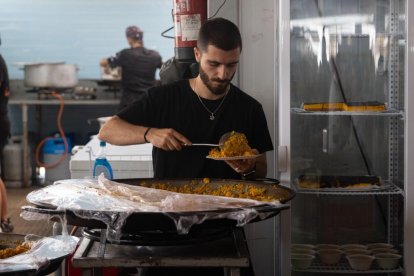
pixel 347 61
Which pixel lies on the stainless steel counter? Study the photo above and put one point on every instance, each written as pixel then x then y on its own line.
pixel 20 97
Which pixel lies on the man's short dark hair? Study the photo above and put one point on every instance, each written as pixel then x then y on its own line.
pixel 221 33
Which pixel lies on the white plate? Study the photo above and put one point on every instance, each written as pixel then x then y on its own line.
pixel 234 157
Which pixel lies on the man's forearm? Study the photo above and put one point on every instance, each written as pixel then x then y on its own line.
pixel 119 132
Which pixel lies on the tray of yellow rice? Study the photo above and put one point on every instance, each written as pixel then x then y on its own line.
pixel 340 183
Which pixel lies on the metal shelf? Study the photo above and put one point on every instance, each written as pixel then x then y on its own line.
pixel 391 35
pixel 344 267
pixel 389 189
pixel 388 112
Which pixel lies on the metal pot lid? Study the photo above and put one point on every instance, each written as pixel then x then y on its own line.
pixel 28 63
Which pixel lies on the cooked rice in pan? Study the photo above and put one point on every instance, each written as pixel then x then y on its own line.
pixel 236 190
pixel 10 252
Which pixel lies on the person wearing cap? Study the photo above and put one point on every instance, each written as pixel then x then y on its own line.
pixel 5 224
pixel 138 66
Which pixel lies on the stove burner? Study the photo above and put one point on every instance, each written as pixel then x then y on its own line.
pixel 223 256
pixel 76 93
pixel 45 93
pixel 85 93
pixel 158 238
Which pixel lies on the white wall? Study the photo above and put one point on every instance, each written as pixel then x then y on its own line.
pixel 257 76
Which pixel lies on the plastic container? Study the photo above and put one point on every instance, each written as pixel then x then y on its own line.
pixel 356 251
pixel 301 261
pixel 13 163
pixel 101 163
pixel 327 246
pixel 388 260
pixel 372 246
pixel 304 251
pixel 360 261
pixel 302 246
pixel 384 250
pixel 352 246
pixel 53 150
pixel 330 256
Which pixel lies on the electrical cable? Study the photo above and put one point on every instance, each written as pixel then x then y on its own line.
pixel 62 135
pixel 219 8
pixel 167 36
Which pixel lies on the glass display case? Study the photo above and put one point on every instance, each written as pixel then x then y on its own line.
pixel 346 133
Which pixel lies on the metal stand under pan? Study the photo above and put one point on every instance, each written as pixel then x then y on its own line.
pixel 224 250
pixel 159 238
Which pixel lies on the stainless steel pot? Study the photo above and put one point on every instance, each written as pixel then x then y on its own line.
pixel 50 74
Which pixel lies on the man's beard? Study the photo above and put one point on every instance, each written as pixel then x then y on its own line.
pixel 216 90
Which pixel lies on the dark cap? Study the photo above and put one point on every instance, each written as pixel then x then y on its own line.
pixel 134 32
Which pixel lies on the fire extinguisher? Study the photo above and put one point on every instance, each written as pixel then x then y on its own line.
pixel 189 15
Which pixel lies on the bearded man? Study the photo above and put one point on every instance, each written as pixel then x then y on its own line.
pixel 199 110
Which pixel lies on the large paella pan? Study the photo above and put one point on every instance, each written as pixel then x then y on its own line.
pixel 133 205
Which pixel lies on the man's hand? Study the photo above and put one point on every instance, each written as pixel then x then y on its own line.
pixel 243 165
pixel 246 166
pixel 104 62
pixel 167 139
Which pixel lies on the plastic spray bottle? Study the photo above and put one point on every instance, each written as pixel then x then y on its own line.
pixel 101 163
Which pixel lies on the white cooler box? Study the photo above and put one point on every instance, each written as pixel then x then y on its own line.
pixel 126 161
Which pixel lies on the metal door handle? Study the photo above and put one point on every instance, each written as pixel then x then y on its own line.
pixel 282 160
pixel 325 140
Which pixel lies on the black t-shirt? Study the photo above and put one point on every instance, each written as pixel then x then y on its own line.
pixel 138 70
pixel 177 106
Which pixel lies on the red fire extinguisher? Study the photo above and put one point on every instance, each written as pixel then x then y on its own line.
pixel 188 17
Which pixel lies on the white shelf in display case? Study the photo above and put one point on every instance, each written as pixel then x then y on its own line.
pixel 344 267
pixel 388 112
pixel 134 161
pixel 387 189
